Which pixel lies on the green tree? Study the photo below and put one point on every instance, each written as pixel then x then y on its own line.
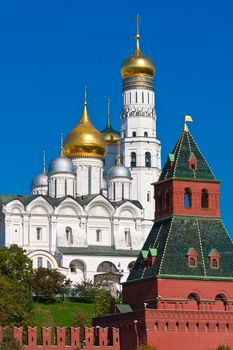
pixel 15 285
pixel 104 302
pixel 9 342
pixel 87 291
pixel 15 302
pixel 15 264
pixel 223 347
pixel 47 283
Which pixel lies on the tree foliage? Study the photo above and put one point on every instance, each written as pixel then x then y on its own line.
pixel 87 291
pixel 104 302
pixel 47 283
pixel 223 347
pixel 15 286
pixel 9 342
pixel 15 264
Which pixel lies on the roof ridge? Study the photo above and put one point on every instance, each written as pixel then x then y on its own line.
pixel 201 248
pixel 178 153
pixel 202 155
pixel 165 246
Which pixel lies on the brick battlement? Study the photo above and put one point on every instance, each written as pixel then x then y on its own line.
pixel 95 338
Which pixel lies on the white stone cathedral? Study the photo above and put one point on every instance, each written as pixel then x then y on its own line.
pixel 89 215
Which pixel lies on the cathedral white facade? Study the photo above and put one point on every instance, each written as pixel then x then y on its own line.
pixel 89 214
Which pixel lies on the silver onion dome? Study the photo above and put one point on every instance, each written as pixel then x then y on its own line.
pixel 40 180
pixel 61 164
pixel 119 170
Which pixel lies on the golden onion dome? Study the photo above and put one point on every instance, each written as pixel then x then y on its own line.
pixel 111 136
pixel 137 64
pixel 84 140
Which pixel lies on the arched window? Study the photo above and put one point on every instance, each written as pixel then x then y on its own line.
pixel 187 197
pixel 134 134
pixel 148 159
pixel 98 235
pixel 128 238
pixel 193 296
pixel 114 191
pixel 69 235
pixel 133 163
pixel 214 263
pixel 192 262
pixel 220 297
pixel 106 266
pixel 145 134
pixel 204 198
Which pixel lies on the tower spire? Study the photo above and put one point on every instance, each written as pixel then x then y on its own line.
pixel 137 37
pixel 108 115
pixel 85 96
pixel 61 145
pixel 44 162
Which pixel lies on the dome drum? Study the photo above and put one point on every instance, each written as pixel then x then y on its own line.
pixel 145 83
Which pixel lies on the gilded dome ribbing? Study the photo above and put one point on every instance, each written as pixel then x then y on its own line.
pixel 84 140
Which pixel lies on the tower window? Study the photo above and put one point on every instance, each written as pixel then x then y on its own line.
pixel 148 196
pixel 39 233
pixel 133 163
pixel 69 235
pixel 148 159
pixel 65 187
pixel 214 264
pixel 98 235
pixel 204 198
pixel 142 97
pixel 134 134
pixel 127 238
pixel 192 262
pixel 187 198
pixel 136 97
pixel 145 134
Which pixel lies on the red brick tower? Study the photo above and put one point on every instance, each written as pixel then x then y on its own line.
pixel 179 294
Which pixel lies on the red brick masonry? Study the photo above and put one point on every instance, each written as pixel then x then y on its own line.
pixel 95 338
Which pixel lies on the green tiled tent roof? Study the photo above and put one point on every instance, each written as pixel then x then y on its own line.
pixel 184 148
pixel 174 237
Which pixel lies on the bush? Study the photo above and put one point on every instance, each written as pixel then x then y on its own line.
pixel 104 302
pixel 9 342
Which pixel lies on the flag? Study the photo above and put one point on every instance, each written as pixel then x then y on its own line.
pixel 188 118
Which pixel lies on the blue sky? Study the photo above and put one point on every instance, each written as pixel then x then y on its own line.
pixel 49 50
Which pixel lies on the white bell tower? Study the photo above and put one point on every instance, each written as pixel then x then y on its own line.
pixel 140 149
